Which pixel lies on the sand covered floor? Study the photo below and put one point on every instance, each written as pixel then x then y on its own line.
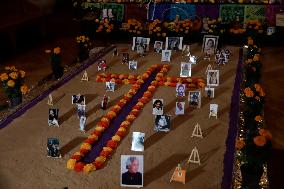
pixel 23 161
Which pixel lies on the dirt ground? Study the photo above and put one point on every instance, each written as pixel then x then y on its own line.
pixel 24 163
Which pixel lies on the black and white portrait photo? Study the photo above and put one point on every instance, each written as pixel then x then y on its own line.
pixel 132 65
pixel 209 92
pixel 141 49
pixel 158 106
pixel 180 90
pixel 213 78
pixel 166 55
pixel 174 43
pixel 131 170
pixel 110 86
pixel 194 99
pixel 138 141
pixel 186 50
pixel 125 58
pixel 78 99
pixel 140 41
pixel 158 46
pixel 53 117
pixel 162 123
pixel 210 44
pixel 185 70
pixel 53 148
pixel 180 108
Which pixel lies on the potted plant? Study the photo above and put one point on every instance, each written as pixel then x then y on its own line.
pixel 55 61
pixel 13 84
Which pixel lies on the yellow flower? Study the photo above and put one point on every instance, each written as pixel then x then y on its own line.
pixel 13 68
pixel 57 50
pixel 11 83
pixel 4 76
pixel 13 75
pixel 71 164
pixel 24 89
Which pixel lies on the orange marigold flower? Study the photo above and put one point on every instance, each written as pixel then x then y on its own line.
pixel 4 76
pixel 258 118
pixel 11 83
pixel 13 75
pixel 240 143
pixel 259 140
pixel 57 50
pixel 248 92
pixel 265 133
pixel 24 89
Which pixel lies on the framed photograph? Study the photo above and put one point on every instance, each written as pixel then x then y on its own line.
pixel 213 78
pixel 138 141
pixel 78 99
pixel 53 117
pixel 141 49
pixel 162 123
pixel 158 106
pixel 194 99
pixel 131 171
pixel 125 58
pixel 180 90
pixel 132 65
pixel 214 109
pixel 146 43
pixel 135 42
pixel 210 44
pixel 180 108
pixel 186 50
pixel 53 148
pixel 209 92
pixel 185 69
pixel 102 65
pixel 104 102
pixel 166 55
pixel 174 43
pixel 158 46
pixel 110 86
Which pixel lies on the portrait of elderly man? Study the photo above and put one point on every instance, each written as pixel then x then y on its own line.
pixel 132 176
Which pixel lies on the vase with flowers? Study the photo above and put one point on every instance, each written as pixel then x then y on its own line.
pixel 13 84
pixel 55 61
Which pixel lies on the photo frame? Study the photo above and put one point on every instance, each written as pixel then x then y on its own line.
pixel 209 92
pixel 185 69
pixel 141 49
pixel 78 99
pixel 132 65
pixel 158 106
pixel 194 99
pixel 140 41
pixel 180 90
pixel 180 108
pixel 210 44
pixel 174 43
pixel 131 171
pixel 162 123
pixel 137 144
pixel 192 59
pixel 110 86
pixel 158 47
pixel 166 55
pixel 53 117
pixel 186 50
pixel 213 108
pixel 53 148
pixel 213 78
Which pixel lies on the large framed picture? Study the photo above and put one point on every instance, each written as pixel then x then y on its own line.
pixel 174 43
pixel 213 78
pixel 131 171
pixel 210 44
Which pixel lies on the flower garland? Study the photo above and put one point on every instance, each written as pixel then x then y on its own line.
pixel 75 162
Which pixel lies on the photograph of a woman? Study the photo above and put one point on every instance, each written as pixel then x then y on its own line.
pixel 185 70
pixel 210 43
pixel 213 78
pixel 162 123
pixel 131 170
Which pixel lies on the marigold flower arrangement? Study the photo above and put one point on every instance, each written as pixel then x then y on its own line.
pixel 134 27
pixel 104 25
pixel 13 82
pixel 156 29
pixel 84 45
pixel 254 26
pixel 215 26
